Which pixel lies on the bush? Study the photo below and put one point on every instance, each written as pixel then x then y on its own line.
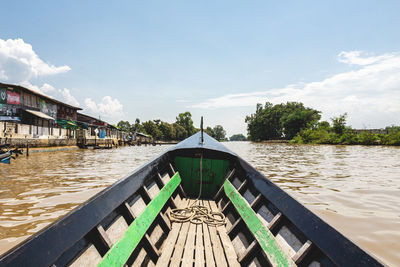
pixel 393 138
pixel 367 138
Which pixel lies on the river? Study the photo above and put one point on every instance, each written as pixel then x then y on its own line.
pixel 356 189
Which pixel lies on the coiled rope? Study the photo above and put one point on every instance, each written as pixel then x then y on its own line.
pixel 198 214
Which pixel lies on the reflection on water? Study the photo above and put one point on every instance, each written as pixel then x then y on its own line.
pixel 356 189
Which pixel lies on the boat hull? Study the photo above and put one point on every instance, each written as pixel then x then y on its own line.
pixel 96 230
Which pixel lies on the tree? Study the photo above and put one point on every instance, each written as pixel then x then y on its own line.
pixel 180 132
pixel 339 124
pixel 137 127
pixel 265 123
pixel 151 128
pixel 296 117
pixel 237 137
pixel 219 133
pixel 279 121
pixel 324 125
pixel 185 120
pixel 157 122
pixel 168 131
pixel 209 131
pixel 124 126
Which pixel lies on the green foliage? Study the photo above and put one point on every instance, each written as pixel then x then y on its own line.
pixel 280 121
pixel 367 138
pixel 237 137
pixel 339 124
pixel 161 130
pixel 219 133
pixel 323 125
pixel 185 120
pixel 209 131
pixel 151 128
pixel 393 138
pixel 180 132
pixel 137 127
pixel 168 131
pixel 124 126
pixel 340 134
pixel 296 117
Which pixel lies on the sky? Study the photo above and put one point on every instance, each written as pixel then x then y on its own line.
pixel 123 60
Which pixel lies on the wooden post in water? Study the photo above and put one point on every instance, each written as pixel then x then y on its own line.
pixel 27 150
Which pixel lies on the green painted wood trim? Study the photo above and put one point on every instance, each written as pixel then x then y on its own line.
pixel 120 251
pixel 261 232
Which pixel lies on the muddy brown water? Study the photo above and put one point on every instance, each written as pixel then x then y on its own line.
pixel 356 189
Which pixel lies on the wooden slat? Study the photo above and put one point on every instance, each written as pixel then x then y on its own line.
pixel 255 201
pixel 226 206
pixel 160 178
pixel 221 189
pixel 182 191
pixel 208 246
pixel 261 233
pixel 180 244
pixel 164 223
pixel 172 168
pixel 249 250
pixel 243 185
pixel 188 254
pixel 226 242
pixel 199 254
pixel 104 237
pixel 275 221
pixel 145 195
pixel 120 252
pixel 234 225
pixel 130 211
pixel 216 245
pixel 170 242
pixel 153 252
pixel 302 252
pixel 152 247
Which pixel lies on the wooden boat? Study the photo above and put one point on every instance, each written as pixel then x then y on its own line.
pixel 5 157
pixel 129 224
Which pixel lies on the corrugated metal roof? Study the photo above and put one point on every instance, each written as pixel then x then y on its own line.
pixel 39 94
pixel 39 114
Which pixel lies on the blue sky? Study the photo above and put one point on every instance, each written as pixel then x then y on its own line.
pixel 155 59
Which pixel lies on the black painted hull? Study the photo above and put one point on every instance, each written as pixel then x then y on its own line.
pixel 64 241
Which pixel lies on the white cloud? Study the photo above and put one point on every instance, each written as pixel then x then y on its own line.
pixel 108 107
pixel 47 88
pixel 355 58
pixel 68 98
pixel 19 63
pixel 369 94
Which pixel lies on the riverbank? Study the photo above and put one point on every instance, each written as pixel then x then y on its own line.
pixel 347 137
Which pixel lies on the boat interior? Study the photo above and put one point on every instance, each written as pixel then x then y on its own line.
pixel 168 243
pixel 133 223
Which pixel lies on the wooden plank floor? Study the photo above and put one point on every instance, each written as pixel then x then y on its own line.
pixel 198 244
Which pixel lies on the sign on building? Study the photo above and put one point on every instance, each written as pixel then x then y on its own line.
pixel 48 108
pixel 3 96
pixel 9 97
pixel 13 98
